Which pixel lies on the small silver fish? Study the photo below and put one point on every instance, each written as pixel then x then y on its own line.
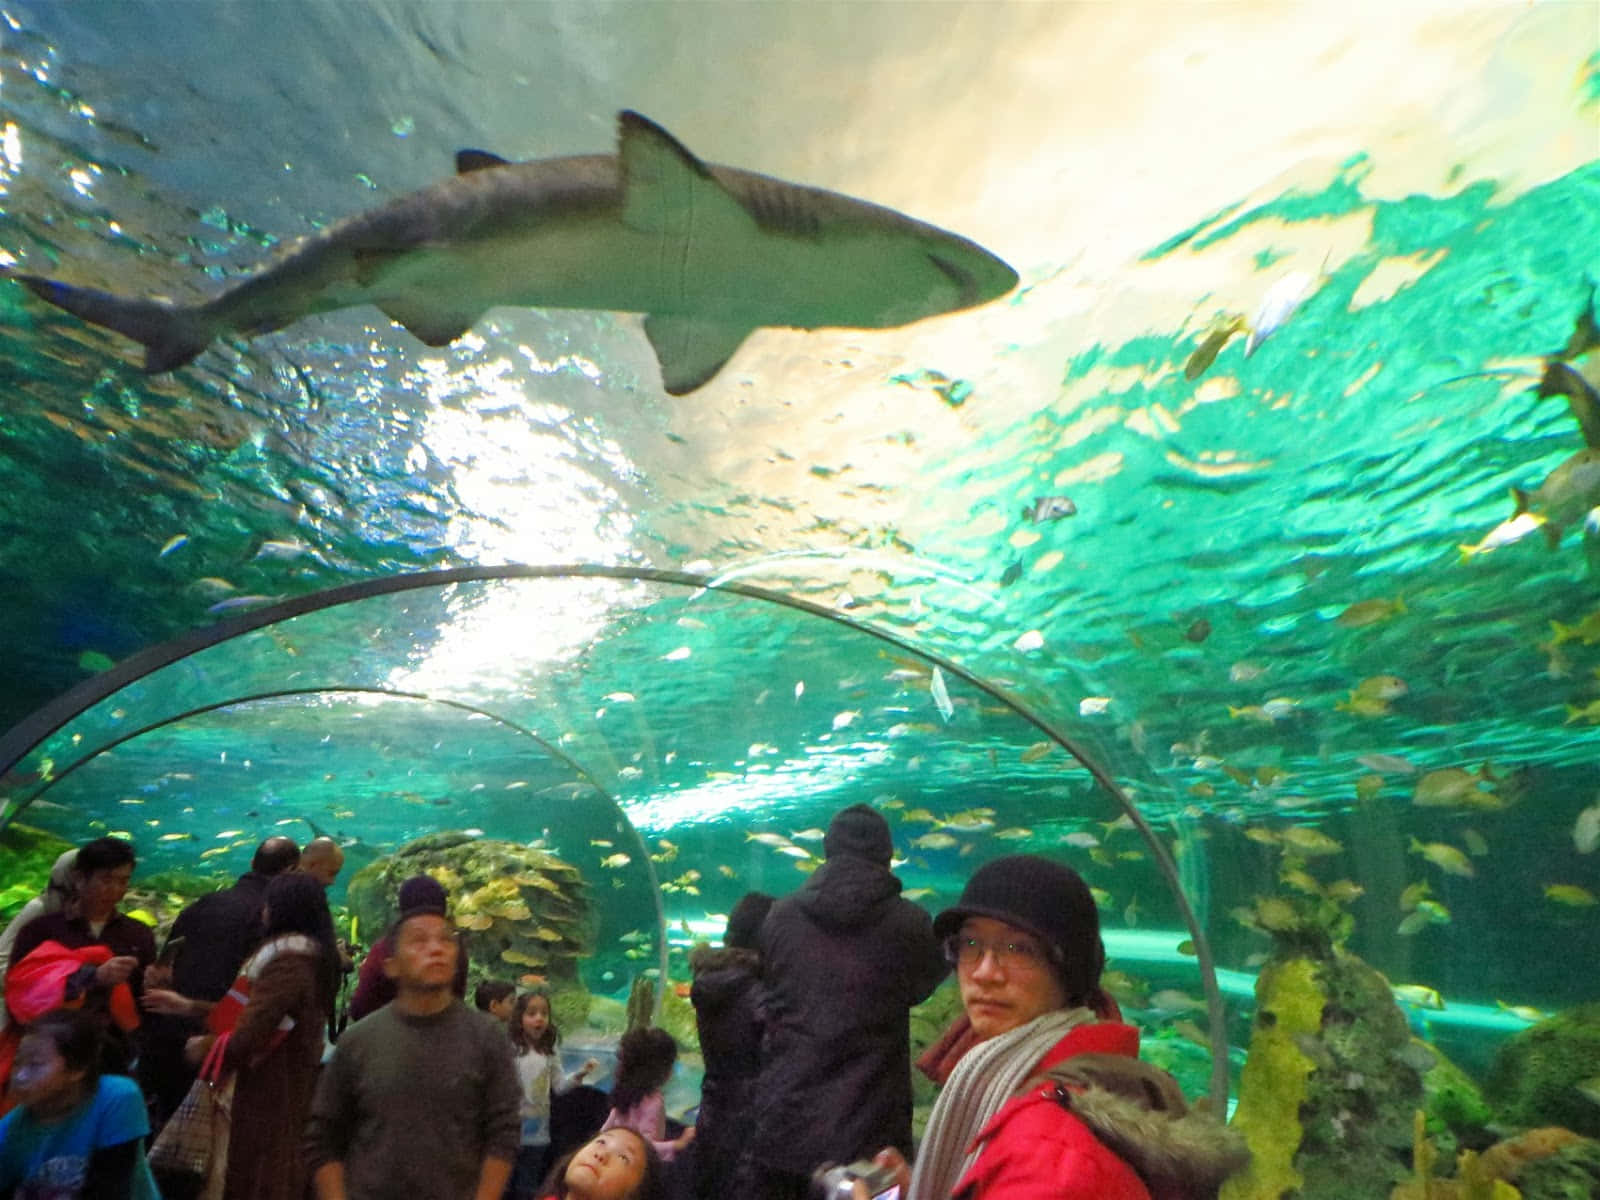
pixel 941 695
pixel 1049 508
pixel 1277 306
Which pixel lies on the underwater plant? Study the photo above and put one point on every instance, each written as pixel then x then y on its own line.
pixel 523 908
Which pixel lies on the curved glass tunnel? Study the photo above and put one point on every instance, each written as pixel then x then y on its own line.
pixel 528 704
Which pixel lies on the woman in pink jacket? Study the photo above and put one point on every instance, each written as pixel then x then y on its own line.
pixel 1041 1079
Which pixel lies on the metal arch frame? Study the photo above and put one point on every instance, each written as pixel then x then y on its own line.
pixel 54 714
pixel 10 814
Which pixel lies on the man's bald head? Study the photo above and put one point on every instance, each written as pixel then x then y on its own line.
pixel 275 856
pixel 323 859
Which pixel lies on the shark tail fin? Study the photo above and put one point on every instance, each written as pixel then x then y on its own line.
pixel 171 335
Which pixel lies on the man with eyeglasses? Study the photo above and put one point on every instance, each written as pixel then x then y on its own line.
pixel 1041 1077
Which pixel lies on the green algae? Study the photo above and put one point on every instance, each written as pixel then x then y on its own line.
pixel 26 856
pixel 1535 1075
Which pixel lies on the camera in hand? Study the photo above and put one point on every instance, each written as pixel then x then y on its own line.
pixel 832 1182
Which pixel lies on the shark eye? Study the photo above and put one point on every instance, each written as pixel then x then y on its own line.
pixel 966 285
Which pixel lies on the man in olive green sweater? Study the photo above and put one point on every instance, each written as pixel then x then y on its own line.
pixel 420 1099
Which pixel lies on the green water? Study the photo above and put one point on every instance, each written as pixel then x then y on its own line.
pixel 1224 524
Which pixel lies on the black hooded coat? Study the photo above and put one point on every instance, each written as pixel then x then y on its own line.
pixel 843 960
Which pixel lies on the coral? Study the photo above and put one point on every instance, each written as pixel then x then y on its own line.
pixel 1457 1113
pixel 1571 1173
pixel 677 1018
pixel 641 1002
pixel 1474 1181
pixel 26 856
pixel 1272 1087
pixel 1330 1085
pixel 1536 1075
pixel 524 908
pixel 1507 1159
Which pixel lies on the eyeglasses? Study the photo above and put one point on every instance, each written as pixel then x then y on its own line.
pixel 1016 954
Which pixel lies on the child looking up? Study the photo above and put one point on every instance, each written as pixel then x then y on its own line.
pixel 616 1164
pixel 76 1134
pixel 645 1058
pixel 539 1074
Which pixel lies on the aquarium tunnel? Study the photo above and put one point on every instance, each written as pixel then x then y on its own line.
pixel 1242 555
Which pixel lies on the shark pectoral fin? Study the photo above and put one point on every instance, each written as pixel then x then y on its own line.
pixel 431 326
pixel 1561 380
pixel 665 188
pixel 691 350
pixel 468 161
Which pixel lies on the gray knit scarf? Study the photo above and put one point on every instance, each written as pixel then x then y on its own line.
pixel 986 1077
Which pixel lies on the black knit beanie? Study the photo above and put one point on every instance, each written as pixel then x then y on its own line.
pixel 1044 898
pixel 861 831
pixel 421 894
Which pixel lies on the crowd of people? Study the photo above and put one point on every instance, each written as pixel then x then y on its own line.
pixel 218 1069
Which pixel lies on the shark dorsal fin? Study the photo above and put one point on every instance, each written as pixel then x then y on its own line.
pixel 468 161
pixel 666 189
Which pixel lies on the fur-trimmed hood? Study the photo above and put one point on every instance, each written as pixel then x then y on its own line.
pixel 706 958
pixel 1137 1111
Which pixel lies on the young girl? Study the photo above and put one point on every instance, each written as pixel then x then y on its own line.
pixel 76 1133
pixel 645 1058
pixel 616 1164
pixel 538 1074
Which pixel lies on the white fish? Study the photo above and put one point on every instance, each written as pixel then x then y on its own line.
pixel 845 719
pixel 1092 706
pixel 1049 508
pixel 941 695
pixel 1586 830
pixel 710 253
pixel 234 603
pixel 1387 764
pixel 1032 640
pixel 1513 529
pixel 1277 306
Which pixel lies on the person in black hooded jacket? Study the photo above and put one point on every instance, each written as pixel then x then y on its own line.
pixel 843 962
pixel 728 1010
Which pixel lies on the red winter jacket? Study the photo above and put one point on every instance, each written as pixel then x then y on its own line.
pixel 1034 1149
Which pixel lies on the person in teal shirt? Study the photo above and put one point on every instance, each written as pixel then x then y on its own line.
pixel 76 1134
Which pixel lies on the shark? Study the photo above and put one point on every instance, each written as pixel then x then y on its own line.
pixel 707 253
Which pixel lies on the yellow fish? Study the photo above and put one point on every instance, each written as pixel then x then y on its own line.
pixel 1417 996
pixel 1447 858
pixel 1363 706
pixel 1370 612
pixel 1569 894
pixel 1589 714
pixel 1312 842
pixel 1456 787
pixel 615 861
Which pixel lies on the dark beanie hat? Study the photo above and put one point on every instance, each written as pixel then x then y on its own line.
pixel 744 922
pixel 861 831
pixel 1044 898
pixel 421 894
